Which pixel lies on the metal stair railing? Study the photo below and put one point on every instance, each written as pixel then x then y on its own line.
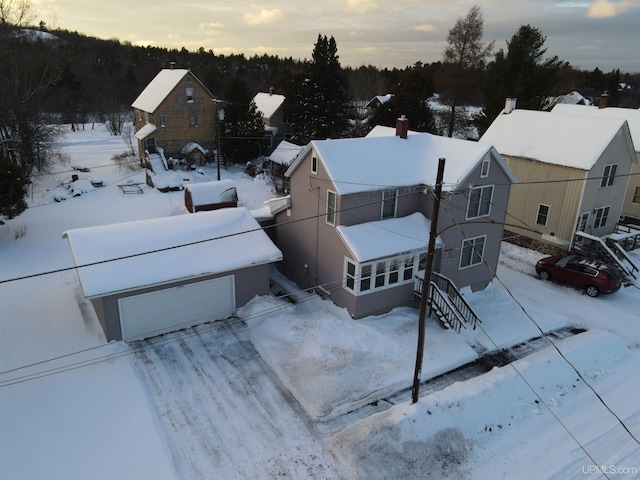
pixel 448 314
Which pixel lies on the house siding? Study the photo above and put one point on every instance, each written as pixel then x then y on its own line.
pixel 249 282
pixel 563 196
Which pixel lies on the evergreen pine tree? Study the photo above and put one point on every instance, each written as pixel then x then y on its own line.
pixel 13 189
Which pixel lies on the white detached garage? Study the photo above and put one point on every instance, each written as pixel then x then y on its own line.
pixel 155 276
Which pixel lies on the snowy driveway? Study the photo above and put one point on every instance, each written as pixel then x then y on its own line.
pixel 224 414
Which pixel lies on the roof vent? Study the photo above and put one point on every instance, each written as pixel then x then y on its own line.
pixel 510 105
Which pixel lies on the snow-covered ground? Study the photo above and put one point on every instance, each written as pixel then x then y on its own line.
pixel 299 390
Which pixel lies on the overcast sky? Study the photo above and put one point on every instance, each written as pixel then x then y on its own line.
pixel 384 33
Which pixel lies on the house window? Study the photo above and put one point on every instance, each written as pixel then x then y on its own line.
pixel 331 208
pixel 636 195
pixel 380 274
pixel 389 203
pixel 608 175
pixel 268 141
pixel 193 120
pixel 163 120
pixel 472 251
pixel 484 170
pixel 543 214
pixel 189 94
pixel 480 201
pixel 314 164
pixel 602 214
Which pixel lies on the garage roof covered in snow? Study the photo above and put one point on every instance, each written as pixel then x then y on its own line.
pixel 128 256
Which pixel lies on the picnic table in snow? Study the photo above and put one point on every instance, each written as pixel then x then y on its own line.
pixel 131 187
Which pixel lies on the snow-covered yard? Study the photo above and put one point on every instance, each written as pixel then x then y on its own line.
pixel 299 390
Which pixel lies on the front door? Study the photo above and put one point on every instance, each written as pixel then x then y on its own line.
pixel 150 145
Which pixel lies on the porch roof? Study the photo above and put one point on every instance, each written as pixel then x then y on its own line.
pixel 145 131
pixel 387 238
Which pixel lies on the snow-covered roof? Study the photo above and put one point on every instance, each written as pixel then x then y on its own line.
pixel 567 140
pixel 181 246
pixel 378 162
pixel 145 131
pixel 159 88
pixel 207 193
pixel 379 99
pixel 285 153
pixel 386 238
pixel 191 146
pixel 268 103
pixel 631 115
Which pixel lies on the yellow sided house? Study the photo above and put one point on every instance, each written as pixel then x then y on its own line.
pixel 572 172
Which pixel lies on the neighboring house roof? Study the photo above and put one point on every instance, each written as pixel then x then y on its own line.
pixel 182 246
pixel 207 193
pixel 631 115
pixel 566 140
pixel 357 165
pixel 572 98
pixel 379 100
pixel 285 153
pixel 268 103
pixel 386 238
pixel 145 131
pixel 160 87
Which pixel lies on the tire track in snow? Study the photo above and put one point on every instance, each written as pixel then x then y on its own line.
pixel 223 412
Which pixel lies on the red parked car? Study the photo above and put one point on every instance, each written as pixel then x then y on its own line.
pixel 593 276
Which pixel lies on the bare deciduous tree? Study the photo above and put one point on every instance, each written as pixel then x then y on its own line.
pixel 463 58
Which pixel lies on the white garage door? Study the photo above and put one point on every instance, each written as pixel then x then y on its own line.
pixel 169 309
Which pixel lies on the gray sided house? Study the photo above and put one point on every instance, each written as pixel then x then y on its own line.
pixel 276 123
pixel 631 205
pixel 357 223
pixel 572 171
pixel 155 276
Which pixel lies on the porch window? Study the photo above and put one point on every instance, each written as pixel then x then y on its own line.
pixel 479 204
pixel 543 214
pixel 331 208
pixel 608 175
pixel 602 214
pixel 380 274
pixel 472 251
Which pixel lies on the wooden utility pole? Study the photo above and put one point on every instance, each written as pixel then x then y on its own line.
pixel 426 282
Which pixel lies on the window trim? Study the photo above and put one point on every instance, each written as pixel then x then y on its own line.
pixel 314 164
pixel 472 243
pixel 479 213
pixel 608 175
pixel 546 215
pixel 330 215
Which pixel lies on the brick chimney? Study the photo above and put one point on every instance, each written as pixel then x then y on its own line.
pixel 402 127
pixel 270 91
pixel 604 99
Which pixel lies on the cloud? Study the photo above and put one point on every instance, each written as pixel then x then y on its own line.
pixel 361 5
pixel 609 9
pixel 425 27
pixel 262 18
pixel 211 25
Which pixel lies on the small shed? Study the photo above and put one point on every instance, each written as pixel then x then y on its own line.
pixel 206 196
pixel 156 276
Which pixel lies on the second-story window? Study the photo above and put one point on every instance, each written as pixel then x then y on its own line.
pixel 193 120
pixel 484 171
pixel 608 175
pixel 163 120
pixel 389 201
pixel 480 201
pixel 331 208
pixel 543 214
pixel 314 164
